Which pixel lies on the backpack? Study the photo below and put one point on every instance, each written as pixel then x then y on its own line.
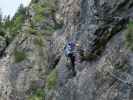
pixel 69 48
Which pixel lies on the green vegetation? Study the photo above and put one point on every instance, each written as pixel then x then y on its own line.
pixel 47 8
pixel 49 29
pixel 44 12
pixel 39 9
pixel 51 4
pixel 129 36
pixel 38 18
pixel 31 30
pixel 38 41
pixel 52 80
pixel 121 67
pixel 17 21
pixel 19 56
pixel 38 94
pixel 34 1
pixel 11 26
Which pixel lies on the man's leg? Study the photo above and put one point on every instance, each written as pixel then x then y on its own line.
pixel 73 64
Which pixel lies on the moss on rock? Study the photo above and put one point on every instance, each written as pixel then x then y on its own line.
pixel 38 94
pixel 19 56
pixel 129 36
pixel 39 42
pixel 52 80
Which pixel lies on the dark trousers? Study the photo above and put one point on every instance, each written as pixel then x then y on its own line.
pixel 72 58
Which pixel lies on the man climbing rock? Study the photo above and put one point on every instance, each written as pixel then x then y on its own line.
pixel 73 52
pixel 69 53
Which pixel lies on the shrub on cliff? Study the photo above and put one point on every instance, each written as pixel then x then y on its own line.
pixel 129 36
pixel 38 94
pixel 19 56
pixel 52 79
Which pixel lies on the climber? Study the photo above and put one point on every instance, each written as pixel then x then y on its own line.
pixel 69 53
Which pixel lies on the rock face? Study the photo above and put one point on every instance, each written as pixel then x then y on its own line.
pixel 35 59
pixel 98 27
pixel 27 71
